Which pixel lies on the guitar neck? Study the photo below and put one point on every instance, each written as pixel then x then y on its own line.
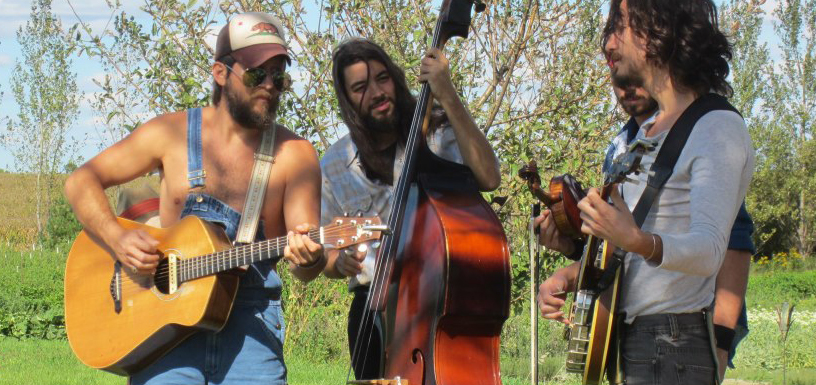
pixel 201 266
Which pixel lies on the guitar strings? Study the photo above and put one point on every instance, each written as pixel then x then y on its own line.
pixel 228 255
pixel 189 265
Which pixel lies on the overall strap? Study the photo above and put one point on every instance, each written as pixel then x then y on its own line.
pixel 195 164
pixel 257 187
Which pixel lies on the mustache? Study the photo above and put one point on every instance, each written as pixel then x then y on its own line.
pixel 379 100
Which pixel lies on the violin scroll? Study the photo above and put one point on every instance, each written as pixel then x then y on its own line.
pixel 564 193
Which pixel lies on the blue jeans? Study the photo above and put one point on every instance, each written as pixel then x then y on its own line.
pixel 247 351
pixel 668 349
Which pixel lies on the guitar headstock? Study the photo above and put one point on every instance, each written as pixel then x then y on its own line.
pixel 629 161
pixel 349 231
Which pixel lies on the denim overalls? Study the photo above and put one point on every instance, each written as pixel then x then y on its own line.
pixel 249 349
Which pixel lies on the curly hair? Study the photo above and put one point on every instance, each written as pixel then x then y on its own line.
pixel 682 36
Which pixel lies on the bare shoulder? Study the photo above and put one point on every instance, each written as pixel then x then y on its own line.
pixel 164 127
pixel 294 149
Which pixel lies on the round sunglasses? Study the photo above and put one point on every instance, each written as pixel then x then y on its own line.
pixel 253 77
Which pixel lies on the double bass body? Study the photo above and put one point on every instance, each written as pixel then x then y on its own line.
pixel 450 291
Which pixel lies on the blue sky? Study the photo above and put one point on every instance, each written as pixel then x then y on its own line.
pixel 13 15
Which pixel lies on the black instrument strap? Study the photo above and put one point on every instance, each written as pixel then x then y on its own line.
pixel 663 168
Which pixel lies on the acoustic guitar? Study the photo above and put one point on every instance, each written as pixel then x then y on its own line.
pixel 121 322
pixel 593 315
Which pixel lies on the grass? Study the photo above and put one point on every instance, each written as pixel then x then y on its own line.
pixel 42 362
pixel 805 376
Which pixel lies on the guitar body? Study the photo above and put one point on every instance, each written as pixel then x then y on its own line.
pixel 450 291
pixel 149 321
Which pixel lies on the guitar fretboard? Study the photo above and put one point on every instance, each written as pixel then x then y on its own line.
pixel 201 266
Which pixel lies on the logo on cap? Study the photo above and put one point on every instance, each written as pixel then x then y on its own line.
pixel 264 29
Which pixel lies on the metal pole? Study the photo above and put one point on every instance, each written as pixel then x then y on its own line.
pixel 533 250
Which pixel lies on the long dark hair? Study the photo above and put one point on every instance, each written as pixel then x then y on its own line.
pixel 683 36
pixel 378 165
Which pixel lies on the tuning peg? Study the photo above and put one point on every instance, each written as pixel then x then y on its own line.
pixel 375 245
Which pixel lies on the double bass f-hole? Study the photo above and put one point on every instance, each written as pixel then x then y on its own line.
pixel 562 197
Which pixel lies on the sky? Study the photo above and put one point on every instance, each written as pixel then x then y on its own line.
pixel 96 13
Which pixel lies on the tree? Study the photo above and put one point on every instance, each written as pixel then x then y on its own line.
pixel 792 104
pixel 742 20
pixel 45 90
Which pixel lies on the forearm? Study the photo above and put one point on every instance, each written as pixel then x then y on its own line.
pixel 732 281
pixel 87 197
pixel 570 274
pixel 330 270
pixel 476 151
pixel 308 273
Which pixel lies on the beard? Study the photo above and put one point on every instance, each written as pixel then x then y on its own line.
pixel 639 107
pixel 242 113
pixel 385 124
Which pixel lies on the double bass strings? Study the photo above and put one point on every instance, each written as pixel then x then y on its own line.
pixel 387 255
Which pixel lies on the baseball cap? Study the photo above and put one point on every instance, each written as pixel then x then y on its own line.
pixel 252 38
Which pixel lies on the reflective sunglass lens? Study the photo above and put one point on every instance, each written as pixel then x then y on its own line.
pixel 253 77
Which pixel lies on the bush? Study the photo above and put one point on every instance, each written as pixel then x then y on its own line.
pixel 31 300
pixel 769 289
pixel 62 226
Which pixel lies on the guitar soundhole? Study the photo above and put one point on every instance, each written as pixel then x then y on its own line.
pixel 161 279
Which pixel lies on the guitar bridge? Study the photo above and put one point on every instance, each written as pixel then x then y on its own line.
pixel 116 287
pixel 172 272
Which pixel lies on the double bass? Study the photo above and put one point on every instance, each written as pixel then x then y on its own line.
pixel 442 280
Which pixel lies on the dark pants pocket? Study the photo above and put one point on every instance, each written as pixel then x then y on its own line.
pixel 694 374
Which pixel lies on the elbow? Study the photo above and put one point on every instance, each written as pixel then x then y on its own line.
pixel 692 255
pixel 491 180
pixel 490 184
pixel 72 183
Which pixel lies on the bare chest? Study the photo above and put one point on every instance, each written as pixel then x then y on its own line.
pixel 228 175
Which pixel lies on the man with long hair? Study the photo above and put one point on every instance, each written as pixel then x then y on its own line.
pixel 361 168
pixel 205 157
pixel 675 52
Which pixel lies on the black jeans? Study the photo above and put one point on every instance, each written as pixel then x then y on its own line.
pixel 668 349
pixel 366 360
